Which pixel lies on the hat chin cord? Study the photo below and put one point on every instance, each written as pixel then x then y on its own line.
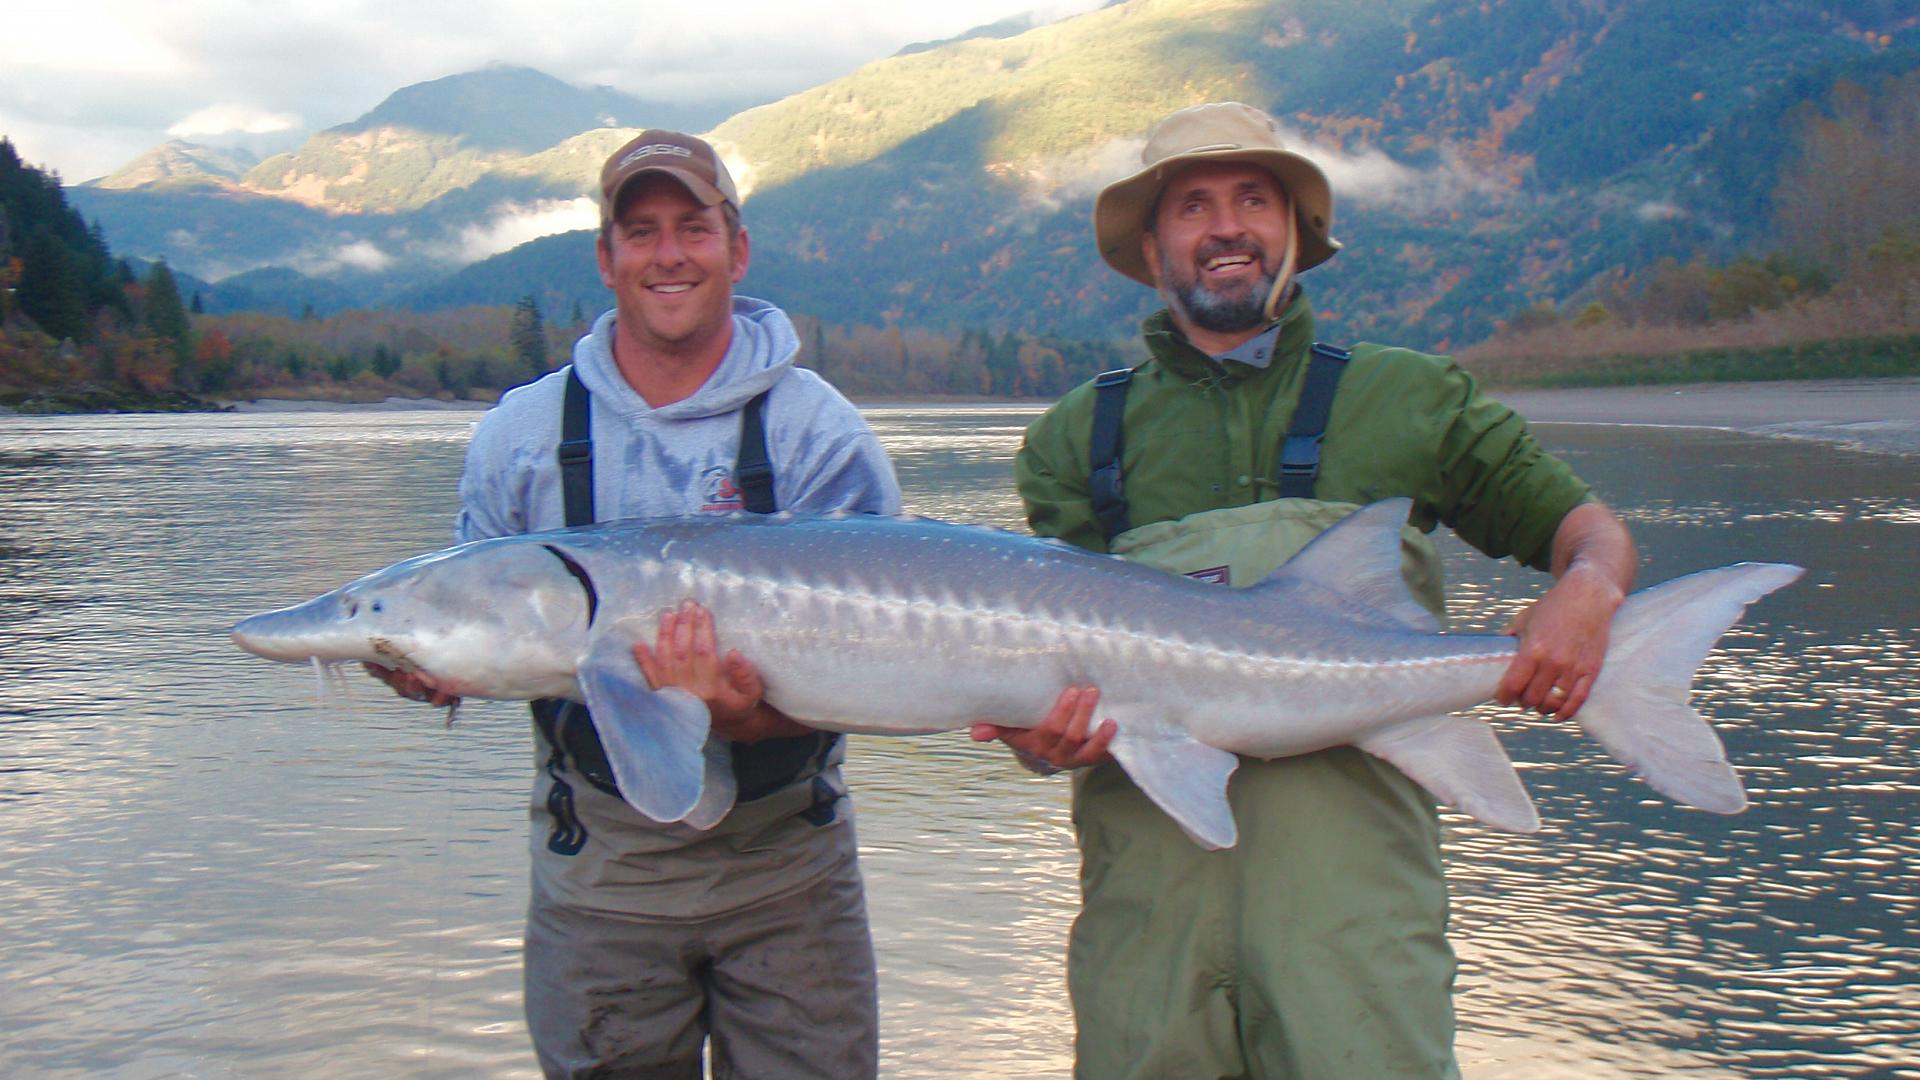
pixel 1277 296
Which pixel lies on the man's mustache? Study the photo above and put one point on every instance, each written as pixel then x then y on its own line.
pixel 1215 249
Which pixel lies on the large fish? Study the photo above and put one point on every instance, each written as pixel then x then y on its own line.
pixel 905 626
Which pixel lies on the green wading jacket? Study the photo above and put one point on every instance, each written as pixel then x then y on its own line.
pixel 1204 435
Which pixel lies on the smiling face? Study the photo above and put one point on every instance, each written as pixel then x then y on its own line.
pixel 672 265
pixel 1219 235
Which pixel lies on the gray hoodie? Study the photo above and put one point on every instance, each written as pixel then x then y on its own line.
pixel 676 459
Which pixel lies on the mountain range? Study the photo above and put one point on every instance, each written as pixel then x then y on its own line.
pixel 1486 155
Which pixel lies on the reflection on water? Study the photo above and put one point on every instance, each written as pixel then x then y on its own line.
pixel 204 872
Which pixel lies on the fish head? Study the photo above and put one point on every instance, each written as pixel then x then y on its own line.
pixel 497 618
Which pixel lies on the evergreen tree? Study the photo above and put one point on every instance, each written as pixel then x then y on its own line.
pixel 1003 365
pixel 104 288
pixel 344 366
pixel 529 335
pixel 386 363
pixel 166 319
pixel 51 292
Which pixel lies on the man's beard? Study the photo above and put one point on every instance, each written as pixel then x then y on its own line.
pixel 1221 312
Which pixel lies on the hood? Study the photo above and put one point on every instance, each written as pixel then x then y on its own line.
pixel 764 346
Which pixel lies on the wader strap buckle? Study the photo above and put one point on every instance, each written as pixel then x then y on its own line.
pixel 1300 453
pixel 1104 483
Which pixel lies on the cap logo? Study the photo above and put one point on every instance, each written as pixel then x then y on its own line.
pixel 650 149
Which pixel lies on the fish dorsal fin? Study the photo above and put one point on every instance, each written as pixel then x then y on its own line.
pixel 1353 569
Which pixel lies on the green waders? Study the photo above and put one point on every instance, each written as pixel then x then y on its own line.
pixel 1316 947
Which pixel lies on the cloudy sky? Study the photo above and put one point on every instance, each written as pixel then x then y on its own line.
pixel 86 85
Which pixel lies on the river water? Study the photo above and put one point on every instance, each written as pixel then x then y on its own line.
pixel 208 870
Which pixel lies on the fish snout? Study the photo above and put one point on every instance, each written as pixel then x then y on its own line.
pixel 318 629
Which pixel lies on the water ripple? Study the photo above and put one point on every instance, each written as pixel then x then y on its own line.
pixel 225 874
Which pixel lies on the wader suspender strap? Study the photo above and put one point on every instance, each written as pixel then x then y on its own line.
pixel 1103 485
pixel 752 469
pixel 551 714
pixel 759 768
pixel 576 452
pixel 1300 454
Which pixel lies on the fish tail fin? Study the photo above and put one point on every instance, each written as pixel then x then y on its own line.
pixel 1639 709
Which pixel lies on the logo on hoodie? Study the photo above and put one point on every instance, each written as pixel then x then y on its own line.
pixel 722 494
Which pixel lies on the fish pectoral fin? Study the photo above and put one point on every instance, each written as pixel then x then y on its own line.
pixel 1461 763
pixel 655 739
pixel 1184 777
pixel 717 792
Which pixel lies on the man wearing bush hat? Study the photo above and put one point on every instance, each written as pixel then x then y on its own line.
pixel 1316 946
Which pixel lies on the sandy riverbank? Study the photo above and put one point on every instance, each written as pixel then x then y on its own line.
pixel 1881 415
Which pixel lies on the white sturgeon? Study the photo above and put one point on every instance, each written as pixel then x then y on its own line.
pixel 903 626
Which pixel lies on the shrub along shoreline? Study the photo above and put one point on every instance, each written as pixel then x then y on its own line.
pixel 1895 356
pixel 1838 358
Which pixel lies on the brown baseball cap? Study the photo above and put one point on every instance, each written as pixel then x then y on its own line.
pixel 1218 131
pixel 687 159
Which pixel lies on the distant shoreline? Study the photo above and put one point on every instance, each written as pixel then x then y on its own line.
pixel 392 404
pixel 1880 415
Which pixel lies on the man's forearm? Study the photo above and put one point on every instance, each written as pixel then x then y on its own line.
pixel 1592 538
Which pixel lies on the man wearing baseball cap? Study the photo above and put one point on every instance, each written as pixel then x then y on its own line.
pixel 1315 947
pixel 748 936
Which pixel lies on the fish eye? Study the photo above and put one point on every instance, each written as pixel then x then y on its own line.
pixel 378 607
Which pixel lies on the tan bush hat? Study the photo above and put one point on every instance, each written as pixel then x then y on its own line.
pixel 1218 131
pixel 685 158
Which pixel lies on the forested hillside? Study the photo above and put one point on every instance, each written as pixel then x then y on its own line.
pixel 81 330
pixel 72 316
pixel 1486 158
pixel 1490 159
